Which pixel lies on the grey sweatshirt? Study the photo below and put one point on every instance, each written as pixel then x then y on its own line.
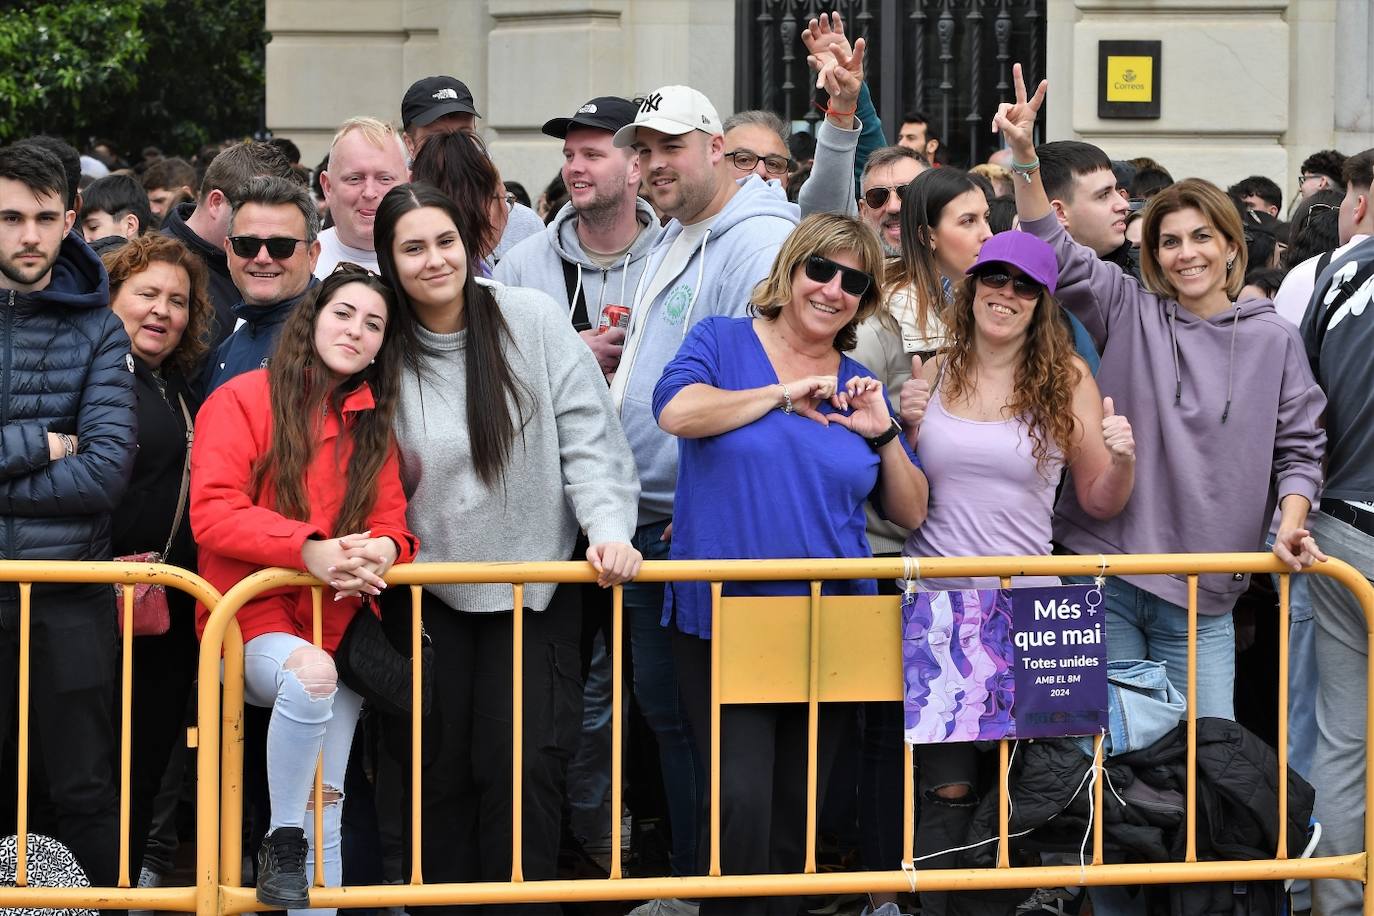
pixel 1225 414
pixel 569 468
pixel 732 258
pixel 830 189
pixel 537 262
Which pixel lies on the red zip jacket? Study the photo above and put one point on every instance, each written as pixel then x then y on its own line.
pixel 238 535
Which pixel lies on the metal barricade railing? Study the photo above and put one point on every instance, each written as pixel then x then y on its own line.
pixel 126 575
pixel 808 650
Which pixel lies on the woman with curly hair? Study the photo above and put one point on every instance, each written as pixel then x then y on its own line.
pixel 1010 406
pixel 157 288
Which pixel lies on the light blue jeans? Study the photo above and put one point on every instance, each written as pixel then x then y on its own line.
pixel 1142 625
pixel 304 722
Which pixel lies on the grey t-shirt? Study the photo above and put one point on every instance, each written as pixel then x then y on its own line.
pixel 1345 370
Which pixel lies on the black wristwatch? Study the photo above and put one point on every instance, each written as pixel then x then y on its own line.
pixel 884 438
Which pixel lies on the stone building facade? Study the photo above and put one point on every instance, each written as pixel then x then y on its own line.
pixel 1247 86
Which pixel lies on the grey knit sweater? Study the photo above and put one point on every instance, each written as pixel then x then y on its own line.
pixel 571 468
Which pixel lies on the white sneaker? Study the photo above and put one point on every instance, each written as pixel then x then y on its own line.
pixel 147 878
pixel 666 906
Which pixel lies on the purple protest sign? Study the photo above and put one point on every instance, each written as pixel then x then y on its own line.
pixel 986 664
pixel 1061 661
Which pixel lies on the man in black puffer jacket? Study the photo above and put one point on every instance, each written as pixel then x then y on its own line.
pixel 67 440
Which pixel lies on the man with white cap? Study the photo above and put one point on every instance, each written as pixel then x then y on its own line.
pixel 721 239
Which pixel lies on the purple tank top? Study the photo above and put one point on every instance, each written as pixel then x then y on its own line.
pixel 987 497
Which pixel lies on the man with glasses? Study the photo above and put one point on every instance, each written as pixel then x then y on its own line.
pixel 1355 223
pixel 1321 171
pixel 272 245
pixel 887 170
pixel 201 226
pixel 756 141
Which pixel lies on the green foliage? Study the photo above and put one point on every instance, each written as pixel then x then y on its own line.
pixel 175 73
pixel 59 61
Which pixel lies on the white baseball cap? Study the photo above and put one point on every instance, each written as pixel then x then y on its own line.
pixel 672 110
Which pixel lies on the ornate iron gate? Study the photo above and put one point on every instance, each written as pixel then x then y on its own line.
pixel 949 58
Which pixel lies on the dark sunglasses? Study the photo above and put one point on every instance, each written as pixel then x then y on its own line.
pixel 876 198
pixel 278 248
pixel 822 270
pixel 1023 287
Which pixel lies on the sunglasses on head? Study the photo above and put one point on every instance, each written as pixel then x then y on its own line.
pixel 278 247
pixel 876 197
pixel 1022 286
pixel 822 270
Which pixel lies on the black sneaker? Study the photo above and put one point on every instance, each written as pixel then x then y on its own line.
pixel 282 883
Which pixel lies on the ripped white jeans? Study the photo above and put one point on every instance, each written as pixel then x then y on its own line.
pixel 311 712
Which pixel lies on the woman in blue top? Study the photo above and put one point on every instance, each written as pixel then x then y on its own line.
pixel 783 440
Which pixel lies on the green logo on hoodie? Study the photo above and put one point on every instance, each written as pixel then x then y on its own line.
pixel 676 304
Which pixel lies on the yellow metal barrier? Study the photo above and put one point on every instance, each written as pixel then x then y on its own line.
pixel 127 575
pixel 806 650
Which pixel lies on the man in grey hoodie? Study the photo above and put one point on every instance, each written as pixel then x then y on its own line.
pixel 593 252
pixel 721 240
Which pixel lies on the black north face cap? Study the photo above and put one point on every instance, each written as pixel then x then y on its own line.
pixel 607 112
pixel 431 98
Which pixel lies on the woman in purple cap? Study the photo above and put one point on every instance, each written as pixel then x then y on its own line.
pixel 1011 405
pixel 1222 385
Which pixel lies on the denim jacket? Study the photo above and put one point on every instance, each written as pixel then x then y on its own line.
pixel 1142 707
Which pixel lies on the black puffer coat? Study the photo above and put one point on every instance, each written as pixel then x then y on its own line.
pixel 65 366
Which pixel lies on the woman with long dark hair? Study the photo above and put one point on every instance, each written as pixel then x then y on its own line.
pixel 296 463
pixel 509 446
pixel 944 224
pixel 457 164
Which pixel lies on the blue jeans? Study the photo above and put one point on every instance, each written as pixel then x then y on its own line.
pixel 1302 672
pixel 656 691
pixel 1144 626
pixel 303 725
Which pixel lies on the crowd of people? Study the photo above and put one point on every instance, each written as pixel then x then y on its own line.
pixel 702 346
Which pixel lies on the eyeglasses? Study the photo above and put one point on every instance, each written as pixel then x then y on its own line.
pixel 852 282
pixel 1303 179
pixel 745 161
pixel 876 197
pixel 1022 286
pixel 1313 211
pixel 505 197
pixel 278 248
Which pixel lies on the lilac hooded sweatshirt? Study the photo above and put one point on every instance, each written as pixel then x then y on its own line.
pixel 1225 413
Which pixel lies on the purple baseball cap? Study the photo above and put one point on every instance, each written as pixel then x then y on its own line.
pixel 1023 251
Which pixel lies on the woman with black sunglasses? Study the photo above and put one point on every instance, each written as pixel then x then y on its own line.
pixel 783 441
pixel 1010 406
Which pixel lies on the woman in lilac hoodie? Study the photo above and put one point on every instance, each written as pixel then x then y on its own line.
pixel 1223 403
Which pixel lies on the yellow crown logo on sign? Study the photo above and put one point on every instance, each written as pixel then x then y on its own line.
pixel 1130 79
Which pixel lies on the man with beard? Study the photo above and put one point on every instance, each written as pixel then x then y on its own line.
pixel 67 448
pixel 722 237
pixel 593 252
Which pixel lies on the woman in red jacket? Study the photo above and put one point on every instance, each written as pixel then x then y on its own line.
pixel 296 465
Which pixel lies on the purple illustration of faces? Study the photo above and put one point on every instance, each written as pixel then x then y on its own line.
pixel 958 662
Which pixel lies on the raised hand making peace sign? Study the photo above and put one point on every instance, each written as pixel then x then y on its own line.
pixel 1016 120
